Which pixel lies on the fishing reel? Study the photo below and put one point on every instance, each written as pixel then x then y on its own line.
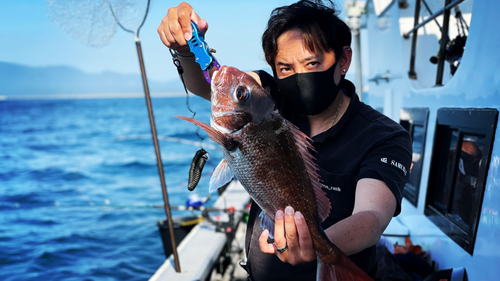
pixel 453 53
pixel 227 227
pixel 454 48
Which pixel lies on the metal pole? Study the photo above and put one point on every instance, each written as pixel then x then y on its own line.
pixel 359 77
pixel 442 48
pixel 430 12
pixel 435 15
pixel 158 155
pixel 412 73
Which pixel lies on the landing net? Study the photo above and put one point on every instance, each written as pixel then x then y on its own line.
pixel 94 22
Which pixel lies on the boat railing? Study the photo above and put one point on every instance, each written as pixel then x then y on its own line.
pixel 199 251
pixel 446 11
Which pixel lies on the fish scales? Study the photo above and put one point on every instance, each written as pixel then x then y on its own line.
pixel 269 165
pixel 271 144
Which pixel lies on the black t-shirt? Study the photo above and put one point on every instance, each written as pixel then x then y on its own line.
pixel 363 144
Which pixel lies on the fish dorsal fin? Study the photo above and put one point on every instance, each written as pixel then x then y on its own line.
pixel 221 176
pixel 267 223
pixel 304 145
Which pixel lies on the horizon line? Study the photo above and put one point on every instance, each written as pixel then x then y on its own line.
pixel 92 96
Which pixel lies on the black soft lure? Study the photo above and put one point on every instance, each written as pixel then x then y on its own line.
pixel 199 160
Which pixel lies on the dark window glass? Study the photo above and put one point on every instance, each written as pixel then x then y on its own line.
pixel 442 194
pixel 465 191
pixel 459 166
pixel 414 120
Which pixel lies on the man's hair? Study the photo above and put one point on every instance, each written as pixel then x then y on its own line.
pixel 319 23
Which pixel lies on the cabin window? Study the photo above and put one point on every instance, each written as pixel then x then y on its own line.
pixel 414 120
pixel 459 167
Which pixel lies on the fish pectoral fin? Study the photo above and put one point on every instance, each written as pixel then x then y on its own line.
pixel 267 223
pixel 221 176
pixel 215 135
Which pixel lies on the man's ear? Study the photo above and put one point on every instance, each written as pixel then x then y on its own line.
pixel 345 59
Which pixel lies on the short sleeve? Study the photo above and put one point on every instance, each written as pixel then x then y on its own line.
pixel 390 162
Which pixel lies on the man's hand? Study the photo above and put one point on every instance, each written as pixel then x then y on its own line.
pixel 292 232
pixel 175 28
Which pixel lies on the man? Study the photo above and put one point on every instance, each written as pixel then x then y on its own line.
pixel 363 156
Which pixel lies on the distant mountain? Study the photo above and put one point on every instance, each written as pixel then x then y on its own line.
pixel 18 80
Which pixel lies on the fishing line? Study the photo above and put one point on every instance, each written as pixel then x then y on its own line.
pixel 200 157
pixel 180 70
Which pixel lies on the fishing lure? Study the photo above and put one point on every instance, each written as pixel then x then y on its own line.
pixel 202 53
pixel 199 160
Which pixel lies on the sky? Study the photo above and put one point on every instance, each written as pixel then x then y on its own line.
pixel 31 38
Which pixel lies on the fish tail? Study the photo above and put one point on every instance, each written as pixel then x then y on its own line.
pixel 342 270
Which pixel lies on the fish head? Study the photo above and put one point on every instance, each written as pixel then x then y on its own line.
pixel 237 99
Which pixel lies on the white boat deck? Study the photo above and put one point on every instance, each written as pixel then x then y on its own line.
pixel 200 249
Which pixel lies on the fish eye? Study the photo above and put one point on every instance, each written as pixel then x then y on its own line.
pixel 242 94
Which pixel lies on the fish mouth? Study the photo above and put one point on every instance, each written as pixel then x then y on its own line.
pixel 215 76
pixel 220 128
pixel 231 121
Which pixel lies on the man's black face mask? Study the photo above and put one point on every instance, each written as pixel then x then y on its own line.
pixel 310 93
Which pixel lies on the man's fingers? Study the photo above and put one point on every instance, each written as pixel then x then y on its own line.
pixel 163 37
pixel 291 233
pixel 175 29
pixel 305 240
pixel 279 230
pixel 184 14
pixel 171 29
pixel 165 34
pixel 264 246
pixel 202 26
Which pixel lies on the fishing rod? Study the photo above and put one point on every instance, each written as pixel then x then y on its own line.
pixel 167 138
pixel 141 207
pixel 207 213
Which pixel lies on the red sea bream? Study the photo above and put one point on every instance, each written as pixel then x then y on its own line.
pixel 272 160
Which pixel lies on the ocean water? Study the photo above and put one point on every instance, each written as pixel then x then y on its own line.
pixel 78 182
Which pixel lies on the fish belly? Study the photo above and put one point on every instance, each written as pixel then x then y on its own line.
pixel 269 165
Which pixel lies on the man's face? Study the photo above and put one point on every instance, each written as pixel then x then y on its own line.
pixel 294 57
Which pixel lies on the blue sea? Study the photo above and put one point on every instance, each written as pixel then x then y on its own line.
pixel 78 182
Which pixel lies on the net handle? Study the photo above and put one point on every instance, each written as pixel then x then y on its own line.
pixel 136 33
